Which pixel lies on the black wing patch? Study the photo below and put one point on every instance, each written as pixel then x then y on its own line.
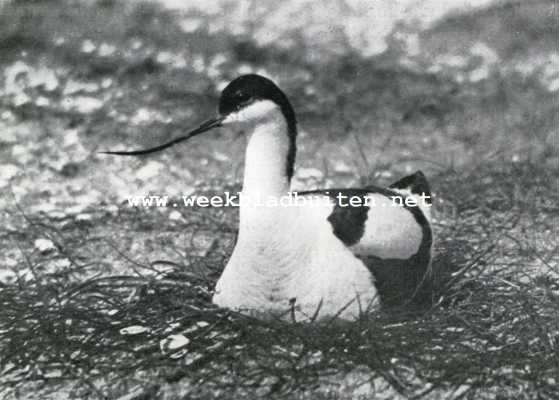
pixel 348 222
pixel 398 281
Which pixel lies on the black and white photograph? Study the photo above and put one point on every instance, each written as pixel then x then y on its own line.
pixel 295 199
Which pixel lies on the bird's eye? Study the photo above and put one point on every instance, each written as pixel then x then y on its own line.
pixel 241 99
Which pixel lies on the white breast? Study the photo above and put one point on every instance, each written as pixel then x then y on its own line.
pixel 295 255
pixel 391 230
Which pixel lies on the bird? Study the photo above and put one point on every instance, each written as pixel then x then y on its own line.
pixel 332 253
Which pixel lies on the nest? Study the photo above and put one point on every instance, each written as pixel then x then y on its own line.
pixel 490 332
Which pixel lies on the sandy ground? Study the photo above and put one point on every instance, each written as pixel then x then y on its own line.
pixel 367 24
pixel 461 98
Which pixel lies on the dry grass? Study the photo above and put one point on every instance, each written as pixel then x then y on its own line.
pixel 492 329
pixel 490 332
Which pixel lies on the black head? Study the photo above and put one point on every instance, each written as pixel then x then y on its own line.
pixel 416 183
pixel 240 93
pixel 247 89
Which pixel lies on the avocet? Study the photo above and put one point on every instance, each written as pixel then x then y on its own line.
pixel 341 253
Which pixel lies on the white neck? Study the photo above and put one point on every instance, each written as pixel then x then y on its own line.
pixel 266 158
pixel 265 174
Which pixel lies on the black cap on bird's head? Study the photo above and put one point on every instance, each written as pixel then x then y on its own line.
pixel 237 96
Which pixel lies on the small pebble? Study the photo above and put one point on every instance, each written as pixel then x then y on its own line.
pixel 175 216
pixel 134 330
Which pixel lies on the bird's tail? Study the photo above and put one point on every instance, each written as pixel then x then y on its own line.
pixel 416 186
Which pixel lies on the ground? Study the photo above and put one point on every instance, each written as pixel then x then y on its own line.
pixel 103 300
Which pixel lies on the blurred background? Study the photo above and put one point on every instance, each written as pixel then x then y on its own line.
pixel 380 88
